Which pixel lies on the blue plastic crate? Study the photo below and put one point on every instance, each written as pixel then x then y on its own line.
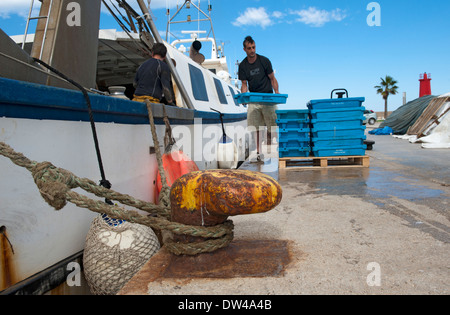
pixel 337 143
pixel 338 133
pixel 295 133
pixel 340 151
pixel 336 103
pixel 332 124
pixel 293 123
pixel 287 135
pixel 263 98
pixel 294 143
pixel 337 113
pixel 294 152
pixel 293 114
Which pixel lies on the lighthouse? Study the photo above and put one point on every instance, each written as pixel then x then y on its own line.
pixel 425 84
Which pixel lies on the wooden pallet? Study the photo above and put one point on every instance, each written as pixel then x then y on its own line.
pixel 323 162
pixel 428 117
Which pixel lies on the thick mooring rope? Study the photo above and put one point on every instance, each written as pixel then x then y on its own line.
pixel 165 190
pixel 56 184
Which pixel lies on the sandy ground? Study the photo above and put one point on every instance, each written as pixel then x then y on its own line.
pixel 382 230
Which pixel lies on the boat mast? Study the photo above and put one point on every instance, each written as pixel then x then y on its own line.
pixel 187 4
pixel 158 39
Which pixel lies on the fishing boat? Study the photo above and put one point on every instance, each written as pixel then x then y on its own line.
pixel 66 99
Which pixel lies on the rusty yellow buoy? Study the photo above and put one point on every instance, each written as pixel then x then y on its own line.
pixel 207 198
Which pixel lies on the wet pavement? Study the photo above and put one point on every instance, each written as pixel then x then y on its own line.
pixel 335 222
pixel 399 170
pixel 382 180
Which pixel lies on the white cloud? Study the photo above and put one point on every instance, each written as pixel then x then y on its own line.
pixel 311 16
pixel 20 7
pixel 317 18
pixel 278 14
pixel 338 15
pixel 254 17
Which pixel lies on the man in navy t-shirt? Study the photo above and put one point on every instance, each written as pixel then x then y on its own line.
pixel 153 79
pixel 257 76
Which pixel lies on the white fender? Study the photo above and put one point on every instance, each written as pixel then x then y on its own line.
pixel 227 154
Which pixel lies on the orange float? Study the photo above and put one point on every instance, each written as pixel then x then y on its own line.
pixel 176 164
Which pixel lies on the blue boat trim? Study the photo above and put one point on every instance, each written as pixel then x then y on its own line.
pixel 20 99
pixel 214 118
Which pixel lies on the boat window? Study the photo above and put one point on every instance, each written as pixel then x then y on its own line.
pixel 220 92
pixel 198 84
pixel 233 94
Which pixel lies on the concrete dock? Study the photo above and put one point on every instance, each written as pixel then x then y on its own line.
pixel 382 229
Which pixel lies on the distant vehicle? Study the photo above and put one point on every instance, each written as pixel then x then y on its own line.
pixel 370 117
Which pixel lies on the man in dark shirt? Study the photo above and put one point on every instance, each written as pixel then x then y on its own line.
pixel 257 75
pixel 153 79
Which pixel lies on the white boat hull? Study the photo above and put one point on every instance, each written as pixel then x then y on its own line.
pixel 42 236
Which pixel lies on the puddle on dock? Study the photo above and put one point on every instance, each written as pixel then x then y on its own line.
pixel 382 184
pixel 372 183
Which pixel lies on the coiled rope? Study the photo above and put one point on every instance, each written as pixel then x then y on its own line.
pixel 55 186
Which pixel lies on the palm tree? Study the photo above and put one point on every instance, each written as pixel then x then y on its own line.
pixel 387 87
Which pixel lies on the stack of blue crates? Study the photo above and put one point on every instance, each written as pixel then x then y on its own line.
pixel 337 127
pixel 294 133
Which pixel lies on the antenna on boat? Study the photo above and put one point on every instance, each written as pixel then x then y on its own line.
pixel 202 17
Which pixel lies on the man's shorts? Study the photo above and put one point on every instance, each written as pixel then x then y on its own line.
pixel 261 115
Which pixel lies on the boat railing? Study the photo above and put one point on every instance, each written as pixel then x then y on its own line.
pixel 194 36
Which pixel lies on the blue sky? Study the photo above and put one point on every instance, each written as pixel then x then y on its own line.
pixel 318 45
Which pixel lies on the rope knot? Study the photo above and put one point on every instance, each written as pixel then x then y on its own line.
pixel 54 194
pixel 52 186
